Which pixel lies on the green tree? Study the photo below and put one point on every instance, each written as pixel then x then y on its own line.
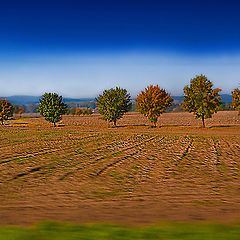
pixel 152 102
pixel 6 110
pixel 113 103
pixel 201 99
pixel 52 107
pixel 236 99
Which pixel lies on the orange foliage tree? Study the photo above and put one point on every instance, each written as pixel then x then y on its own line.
pixel 6 110
pixel 236 99
pixel 152 102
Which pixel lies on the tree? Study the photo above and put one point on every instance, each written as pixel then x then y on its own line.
pixel 113 103
pixel 236 99
pixel 152 102
pixel 6 110
pixel 52 107
pixel 201 99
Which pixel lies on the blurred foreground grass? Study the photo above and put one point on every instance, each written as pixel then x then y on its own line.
pixel 180 231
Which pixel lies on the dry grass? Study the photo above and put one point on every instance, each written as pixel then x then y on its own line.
pixel 84 171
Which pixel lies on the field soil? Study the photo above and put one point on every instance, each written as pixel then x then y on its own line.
pixel 84 171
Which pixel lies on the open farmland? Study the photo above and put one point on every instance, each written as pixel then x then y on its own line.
pixel 83 171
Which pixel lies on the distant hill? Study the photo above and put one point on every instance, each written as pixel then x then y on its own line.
pixel 26 100
pixel 226 98
pixel 22 100
pixel 177 98
pixel 76 100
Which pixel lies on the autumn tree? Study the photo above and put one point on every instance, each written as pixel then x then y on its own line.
pixel 6 110
pixel 113 103
pixel 152 102
pixel 201 99
pixel 236 99
pixel 52 107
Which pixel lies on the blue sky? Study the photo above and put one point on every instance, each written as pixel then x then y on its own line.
pixel 78 48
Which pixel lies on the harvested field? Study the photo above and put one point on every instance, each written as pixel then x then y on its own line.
pixel 83 171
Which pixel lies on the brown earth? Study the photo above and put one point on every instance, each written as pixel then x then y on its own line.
pixel 83 171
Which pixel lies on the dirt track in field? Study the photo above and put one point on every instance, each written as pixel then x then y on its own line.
pixel 86 172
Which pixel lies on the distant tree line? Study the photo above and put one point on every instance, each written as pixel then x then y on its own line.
pixel 80 111
pixel 82 104
pixel 200 98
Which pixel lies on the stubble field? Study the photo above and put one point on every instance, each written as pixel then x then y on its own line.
pixel 83 171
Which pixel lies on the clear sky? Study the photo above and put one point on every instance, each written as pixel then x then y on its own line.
pixel 78 48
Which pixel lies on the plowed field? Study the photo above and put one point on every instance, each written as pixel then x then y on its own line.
pixel 83 171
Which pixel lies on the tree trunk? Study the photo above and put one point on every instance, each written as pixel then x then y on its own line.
pixel 54 124
pixel 203 122
pixel 155 122
pixel 115 122
pixel 2 121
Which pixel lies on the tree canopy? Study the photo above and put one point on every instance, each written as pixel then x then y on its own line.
pixel 152 102
pixel 6 110
pixel 201 99
pixel 113 103
pixel 236 99
pixel 52 107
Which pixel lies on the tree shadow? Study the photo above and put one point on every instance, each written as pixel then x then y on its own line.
pixel 223 126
